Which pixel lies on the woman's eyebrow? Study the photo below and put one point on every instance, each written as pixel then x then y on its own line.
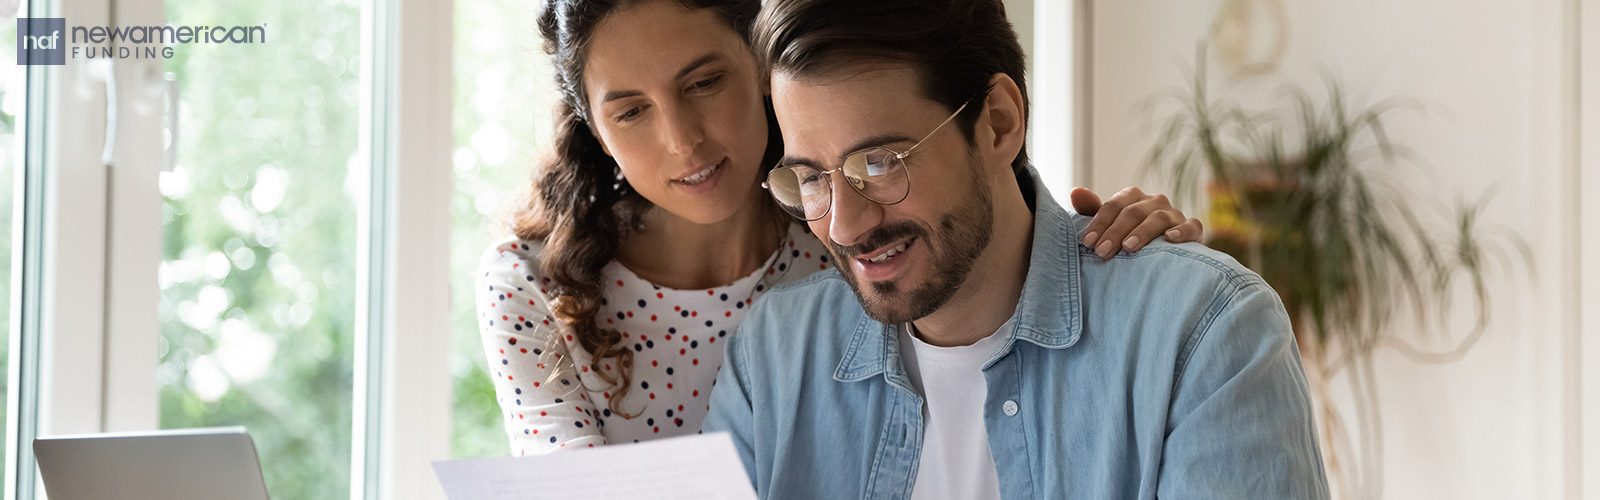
pixel 687 68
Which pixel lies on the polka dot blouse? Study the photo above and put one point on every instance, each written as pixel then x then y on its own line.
pixel 677 337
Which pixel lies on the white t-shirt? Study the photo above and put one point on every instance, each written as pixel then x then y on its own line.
pixel 677 337
pixel 955 462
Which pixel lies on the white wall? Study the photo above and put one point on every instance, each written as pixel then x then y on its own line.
pixel 1502 77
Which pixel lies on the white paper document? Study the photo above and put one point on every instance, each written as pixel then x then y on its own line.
pixel 704 467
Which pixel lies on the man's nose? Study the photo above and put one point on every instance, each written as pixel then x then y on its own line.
pixel 853 214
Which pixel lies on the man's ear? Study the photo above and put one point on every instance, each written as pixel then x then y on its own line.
pixel 1006 116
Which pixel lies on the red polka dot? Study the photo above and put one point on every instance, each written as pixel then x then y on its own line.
pixel 652 317
pixel 619 282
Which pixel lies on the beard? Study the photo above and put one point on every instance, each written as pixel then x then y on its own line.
pixel 962 235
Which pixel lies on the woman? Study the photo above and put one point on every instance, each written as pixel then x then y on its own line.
pixel 648 237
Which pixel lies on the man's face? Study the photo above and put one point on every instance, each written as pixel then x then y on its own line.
pixel 936 233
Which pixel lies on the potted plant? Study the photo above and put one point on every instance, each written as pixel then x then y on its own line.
pixel 1299 195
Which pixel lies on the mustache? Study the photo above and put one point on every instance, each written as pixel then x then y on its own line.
pixel 879 237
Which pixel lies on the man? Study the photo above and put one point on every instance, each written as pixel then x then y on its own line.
pixel 970 346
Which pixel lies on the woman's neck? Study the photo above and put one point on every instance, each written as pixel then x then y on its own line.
pixel 674 252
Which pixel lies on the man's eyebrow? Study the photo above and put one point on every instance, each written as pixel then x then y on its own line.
pixel 869 142
pixel 687 68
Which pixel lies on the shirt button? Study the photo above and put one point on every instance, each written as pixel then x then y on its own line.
pixel 1010 408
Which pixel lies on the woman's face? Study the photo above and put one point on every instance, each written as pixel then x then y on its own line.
pixel 675 97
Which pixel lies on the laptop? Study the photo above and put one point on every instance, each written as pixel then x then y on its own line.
pixel 199 464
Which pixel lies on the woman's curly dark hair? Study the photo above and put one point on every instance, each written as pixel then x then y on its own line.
pixel 580 206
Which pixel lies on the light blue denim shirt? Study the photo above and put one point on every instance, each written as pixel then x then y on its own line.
pixel 1170 373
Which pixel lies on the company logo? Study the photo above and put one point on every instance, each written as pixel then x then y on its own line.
pixel 49 41
pixel 42 40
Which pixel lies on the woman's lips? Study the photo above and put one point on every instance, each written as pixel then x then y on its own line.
pixel 704 180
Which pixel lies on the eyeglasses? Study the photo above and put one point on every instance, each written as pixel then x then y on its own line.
pixel 878 173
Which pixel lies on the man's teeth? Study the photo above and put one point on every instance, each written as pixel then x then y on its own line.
pixel 891 253
pixel 701 175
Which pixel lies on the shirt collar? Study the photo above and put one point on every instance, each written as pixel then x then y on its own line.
pixel 1049 313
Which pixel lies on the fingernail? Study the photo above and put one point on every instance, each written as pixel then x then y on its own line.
pixel 1130 242
pixel 1172 235
pixel 1090 239
pixel 1105 250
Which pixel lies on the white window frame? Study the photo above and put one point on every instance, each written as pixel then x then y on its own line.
pixel 404 338
pixel 1582 340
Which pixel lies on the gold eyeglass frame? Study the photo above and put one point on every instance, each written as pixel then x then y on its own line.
pixel 899 156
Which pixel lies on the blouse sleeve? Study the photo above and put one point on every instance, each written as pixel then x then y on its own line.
pixel 541 414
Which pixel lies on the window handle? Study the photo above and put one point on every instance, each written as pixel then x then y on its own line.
pixel 103 71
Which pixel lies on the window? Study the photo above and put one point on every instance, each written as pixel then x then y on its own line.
pixel 258 273
pixel 13 98
pixel 503 95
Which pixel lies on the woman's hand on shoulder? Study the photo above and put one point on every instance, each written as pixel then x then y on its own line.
pixel 1130 220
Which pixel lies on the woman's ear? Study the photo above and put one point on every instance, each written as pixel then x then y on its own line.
pixel 1006 116
pixel 597 138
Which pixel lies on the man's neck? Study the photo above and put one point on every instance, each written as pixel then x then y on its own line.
pixel 992 289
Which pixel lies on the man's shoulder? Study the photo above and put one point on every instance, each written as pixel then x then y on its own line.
pixel 1184 264
pixel 817 310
